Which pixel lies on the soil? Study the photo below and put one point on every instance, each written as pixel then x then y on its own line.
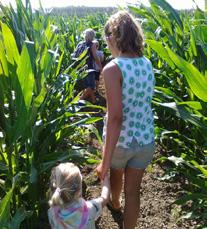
pixel 158 210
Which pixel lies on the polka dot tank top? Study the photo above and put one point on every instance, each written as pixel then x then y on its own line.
pixel 137 91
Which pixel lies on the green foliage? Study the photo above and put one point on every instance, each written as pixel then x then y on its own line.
pixel 176 43
pixel 41 121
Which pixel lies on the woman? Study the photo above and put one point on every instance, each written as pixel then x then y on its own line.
pixel 89 81
pixel 129 129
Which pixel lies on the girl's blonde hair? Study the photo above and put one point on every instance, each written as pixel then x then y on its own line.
pixel 126 31
pixel 89 34
pixel 65 184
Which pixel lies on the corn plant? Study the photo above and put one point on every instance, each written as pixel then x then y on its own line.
pixel 176 44
pixel 40 119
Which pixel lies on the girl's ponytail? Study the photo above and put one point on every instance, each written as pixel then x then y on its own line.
pixel 56 198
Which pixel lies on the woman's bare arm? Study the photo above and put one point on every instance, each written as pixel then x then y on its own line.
pixel 112 80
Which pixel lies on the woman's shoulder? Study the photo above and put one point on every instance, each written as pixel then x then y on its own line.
pixel 110 65
pixel 146 60
pixel 111 69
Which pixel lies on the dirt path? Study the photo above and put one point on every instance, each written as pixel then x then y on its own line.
pixel 157 208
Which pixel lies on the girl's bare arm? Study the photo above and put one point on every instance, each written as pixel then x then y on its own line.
pixel 105 192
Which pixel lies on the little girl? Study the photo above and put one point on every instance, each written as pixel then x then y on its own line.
pixel 68 210
pixel 100 55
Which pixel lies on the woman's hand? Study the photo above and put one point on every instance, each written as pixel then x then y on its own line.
pixel 102 170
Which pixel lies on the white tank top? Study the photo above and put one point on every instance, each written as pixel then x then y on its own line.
pixel 137 91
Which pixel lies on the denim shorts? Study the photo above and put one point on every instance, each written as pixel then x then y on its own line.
pixel 97 76
pixel 138 157
pixel 89 80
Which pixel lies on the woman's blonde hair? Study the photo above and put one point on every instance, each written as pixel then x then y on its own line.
pixel 89 34
pixel 126 31
pixel 96 43
pixel 65 184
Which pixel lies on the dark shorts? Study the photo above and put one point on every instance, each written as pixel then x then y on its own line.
pixel 97 76
pixel 89 80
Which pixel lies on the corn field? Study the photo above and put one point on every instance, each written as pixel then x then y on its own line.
pixel 41 121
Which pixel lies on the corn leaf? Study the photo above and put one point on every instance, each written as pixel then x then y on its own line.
pixel 26 77
pixel 10 44
pixel 173 13
pixel 196 81
pixel 5 209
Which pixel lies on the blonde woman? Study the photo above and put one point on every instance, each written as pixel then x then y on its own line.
pixel 129 125
pixel 68 209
